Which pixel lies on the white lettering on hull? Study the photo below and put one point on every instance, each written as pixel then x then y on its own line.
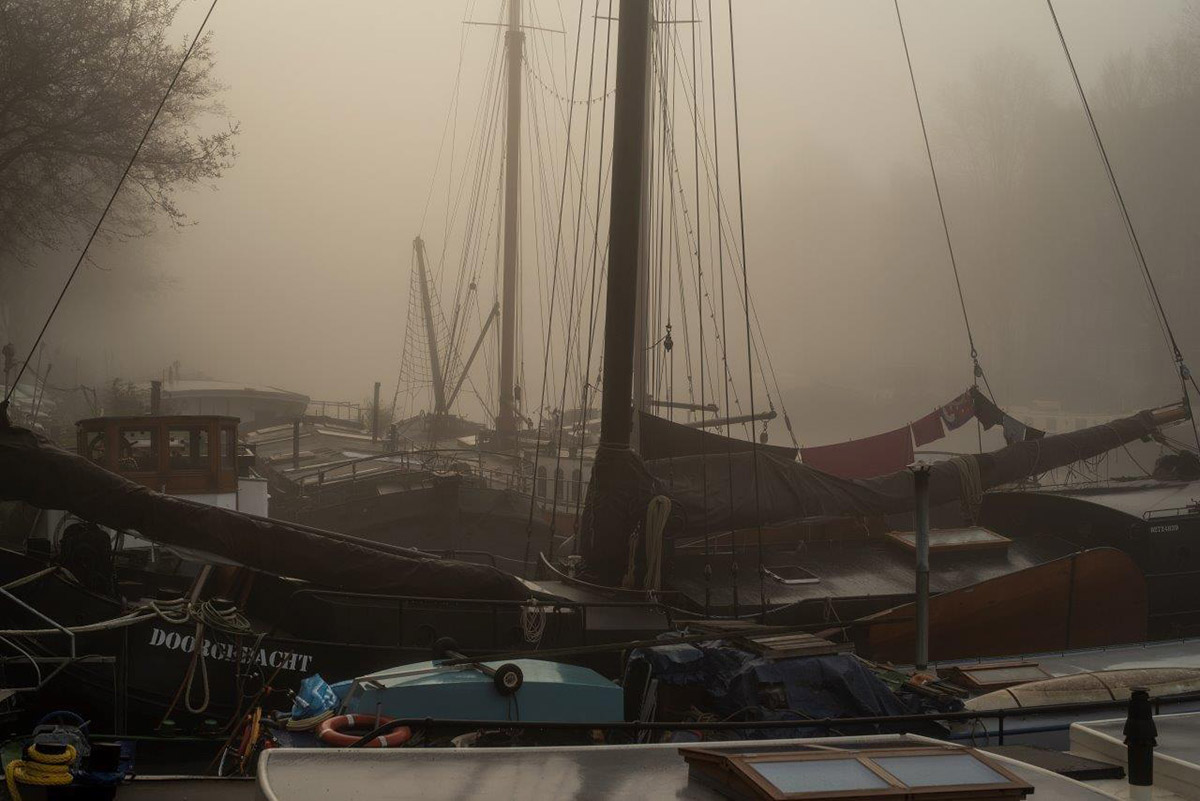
pixel 227 652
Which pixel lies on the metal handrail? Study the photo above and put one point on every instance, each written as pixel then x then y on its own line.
pixel 638 726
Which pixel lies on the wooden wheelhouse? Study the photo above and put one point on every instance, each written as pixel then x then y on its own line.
pixel 175 454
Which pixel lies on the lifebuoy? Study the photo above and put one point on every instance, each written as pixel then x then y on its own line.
pixel 331 731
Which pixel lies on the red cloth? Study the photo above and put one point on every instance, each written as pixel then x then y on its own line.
pixel 863 458
pixel 958 411
pixel 928 428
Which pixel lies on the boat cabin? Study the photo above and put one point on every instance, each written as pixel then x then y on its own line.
pixel 175 454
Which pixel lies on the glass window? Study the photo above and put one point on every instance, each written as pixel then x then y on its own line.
pixel 137 450
pixel 228 449
pixel 189 448
pixel 96 446
pixel 939 770
pixel 810 776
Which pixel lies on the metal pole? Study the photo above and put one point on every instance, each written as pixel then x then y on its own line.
pixel 375 415
pixel 921 492
pixel 155 397
pixel 37 408
pixel 487 324
pixel 296 444
pixel 506 414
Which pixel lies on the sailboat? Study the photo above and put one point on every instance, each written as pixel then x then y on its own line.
pixel 671 533
pixel 747 533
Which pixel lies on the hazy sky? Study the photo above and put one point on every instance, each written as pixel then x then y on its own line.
pixel 296 271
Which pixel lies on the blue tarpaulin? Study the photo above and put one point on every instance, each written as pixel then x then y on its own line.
pixel 739 685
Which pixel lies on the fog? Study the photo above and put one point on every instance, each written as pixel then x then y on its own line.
pixel 296 269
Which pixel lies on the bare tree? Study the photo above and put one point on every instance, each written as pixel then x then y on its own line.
pixel 79 81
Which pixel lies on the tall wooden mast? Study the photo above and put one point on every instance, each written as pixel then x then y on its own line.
pixel 506 419
pixel 612 511
pixel 625 230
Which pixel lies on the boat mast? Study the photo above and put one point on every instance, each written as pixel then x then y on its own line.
pixel 439 389
pixel 612 512
pixel 506 420
pixel 642 340
pixel 625 223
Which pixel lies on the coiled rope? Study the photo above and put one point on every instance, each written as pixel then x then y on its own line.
pixel 533 622
pixel 40 768
pixel 217 614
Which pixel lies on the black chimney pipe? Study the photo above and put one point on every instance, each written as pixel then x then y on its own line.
pixel 1140 738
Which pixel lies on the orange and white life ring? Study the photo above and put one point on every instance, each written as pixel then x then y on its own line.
pixel 331 731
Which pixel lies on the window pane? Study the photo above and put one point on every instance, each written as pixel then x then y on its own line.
pixel 810 776
pixel 138 450
pixel 228 451
pixel 189 448
pixel 937 771
pixel 96 446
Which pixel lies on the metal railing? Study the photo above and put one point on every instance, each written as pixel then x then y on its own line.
pixel 827 724
pixel 495 607
pixel 563 493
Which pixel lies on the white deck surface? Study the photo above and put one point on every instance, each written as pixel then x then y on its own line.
pixel 586 772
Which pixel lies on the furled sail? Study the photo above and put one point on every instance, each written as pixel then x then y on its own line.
pixel 659 438
pixel 717 493
pixel 36 471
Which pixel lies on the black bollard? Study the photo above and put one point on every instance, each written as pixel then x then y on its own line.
pixel 1140 738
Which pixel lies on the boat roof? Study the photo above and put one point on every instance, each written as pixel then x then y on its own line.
pixel 1176 755
pixel 207 386
pixel 1138 499
pixel 593 772
pixel 1168 653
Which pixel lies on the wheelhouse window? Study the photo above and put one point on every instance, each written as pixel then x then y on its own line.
pixel 228 448
pixel 189 448
pixel 137 450
pixel 96 446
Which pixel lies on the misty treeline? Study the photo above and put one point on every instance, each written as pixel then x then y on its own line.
pixel 79 81
pixel 1058 305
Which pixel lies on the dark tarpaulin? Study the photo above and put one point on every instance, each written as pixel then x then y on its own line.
pixel 737 683
pixel 37 472
pixel 716 492
pixel 659 438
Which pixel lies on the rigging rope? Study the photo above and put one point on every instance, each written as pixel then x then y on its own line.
pixel 1185 374
pixel 112 198
pixel 596 266
pixel 737 138
pixel 978 371
pixel 550 322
